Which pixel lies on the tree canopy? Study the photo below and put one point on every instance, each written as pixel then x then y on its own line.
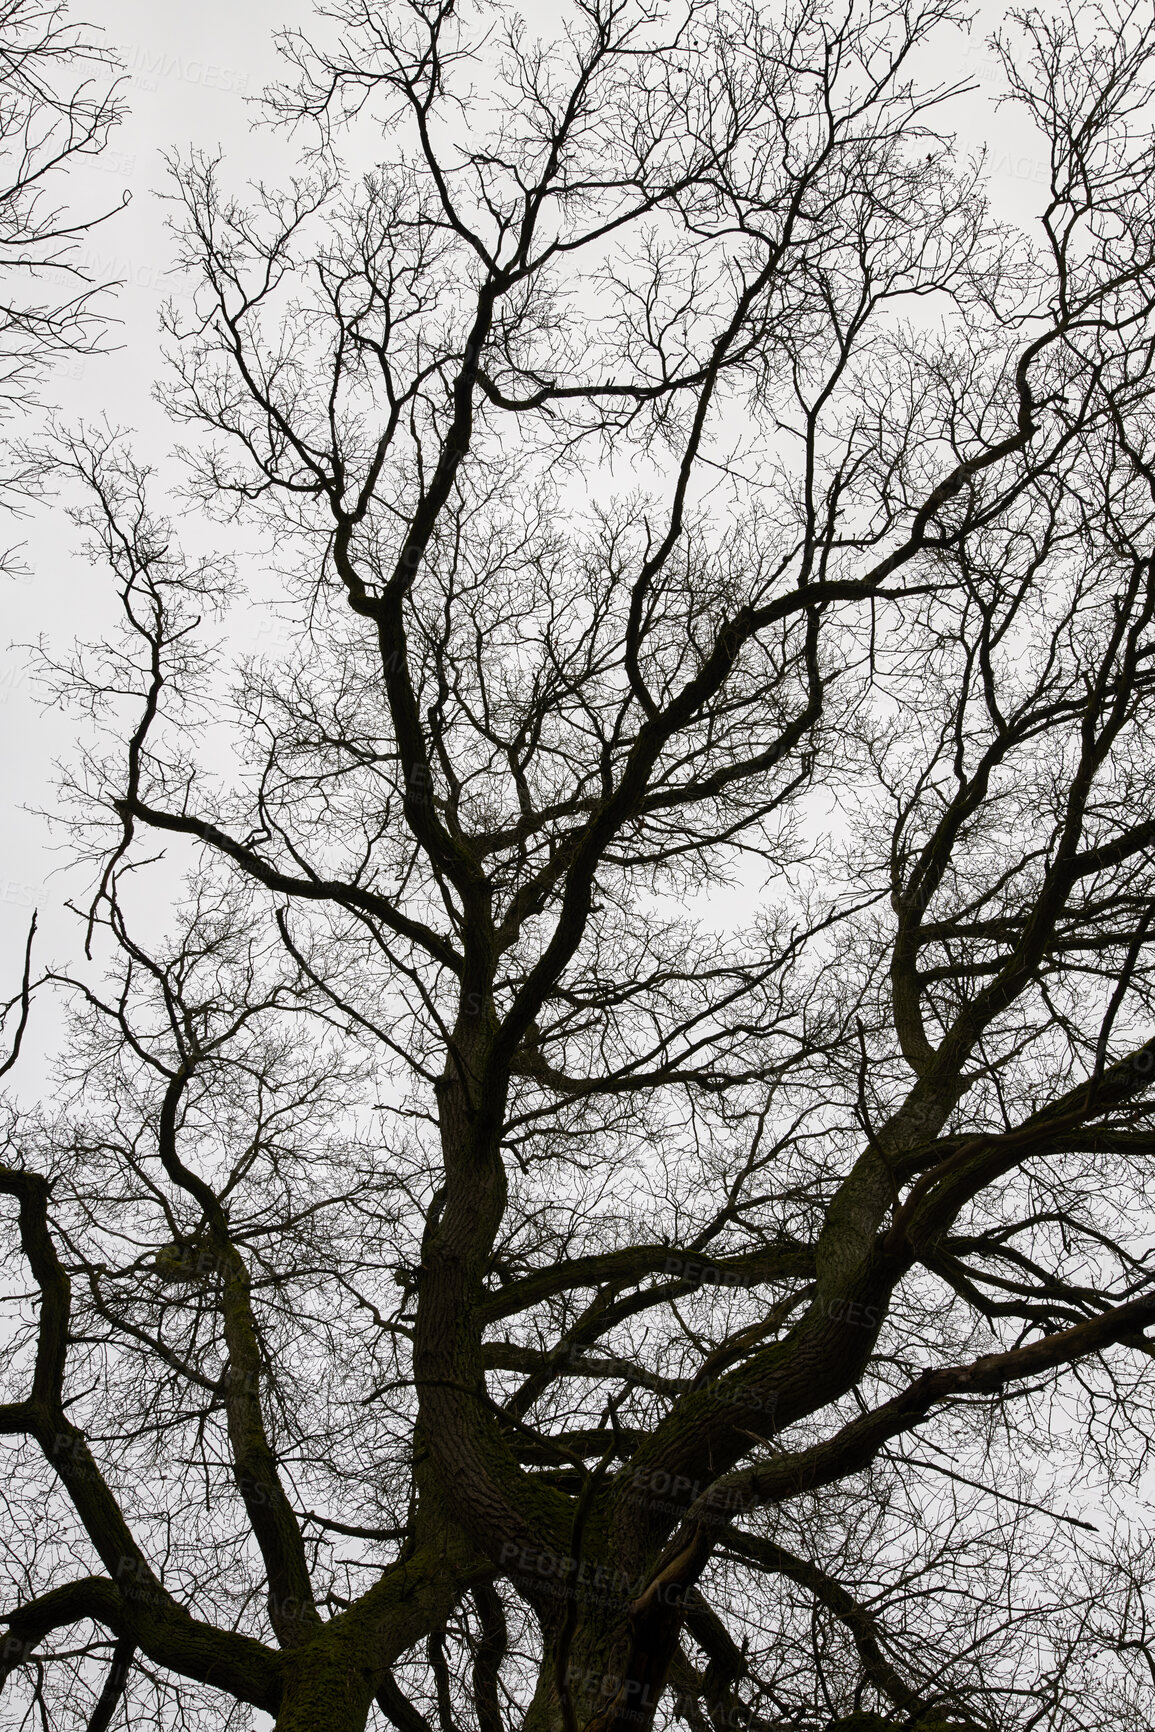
pixel 618 1188
pixel 58 107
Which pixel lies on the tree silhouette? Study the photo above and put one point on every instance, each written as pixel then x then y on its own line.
pixel 50 307
pixel 622 1190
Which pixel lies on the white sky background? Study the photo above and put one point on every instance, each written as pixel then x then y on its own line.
pixel 188 73
pixel 192 72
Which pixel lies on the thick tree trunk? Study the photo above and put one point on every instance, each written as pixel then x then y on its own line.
pixel 329 1686
pixel 601 1670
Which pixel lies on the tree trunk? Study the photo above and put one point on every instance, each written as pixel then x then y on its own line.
pixel 329 1686
pixel 600 1670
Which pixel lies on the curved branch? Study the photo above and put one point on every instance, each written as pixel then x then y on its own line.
pixel 153 1622
pixel 829 1592
pixel 307 889
pixel 134 1601
pixel 855 1446
pixel 123 1655
pixel 24 999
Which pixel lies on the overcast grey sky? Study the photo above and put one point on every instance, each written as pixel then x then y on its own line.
pixel 192 73
pixel 188 73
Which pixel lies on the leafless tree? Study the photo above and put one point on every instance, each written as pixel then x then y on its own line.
pixel 54 117
pixel 623 1189
pixel 49 124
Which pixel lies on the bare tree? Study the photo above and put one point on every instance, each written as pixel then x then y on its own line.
pixel 48 125
pixel 624 1190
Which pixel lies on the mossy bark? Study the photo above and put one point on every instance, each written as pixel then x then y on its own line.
pixel 329 1686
